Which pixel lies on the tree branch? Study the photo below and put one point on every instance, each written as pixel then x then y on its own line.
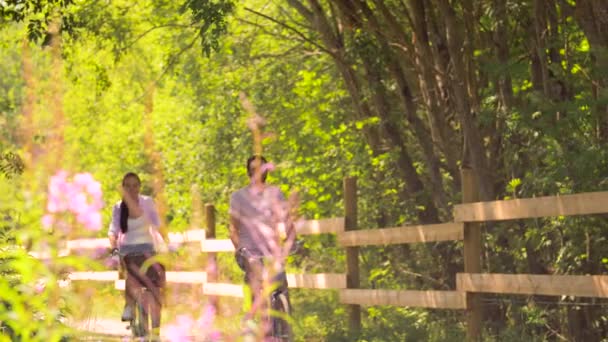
pixel 294 30
pixel 150 30
pixel 172 60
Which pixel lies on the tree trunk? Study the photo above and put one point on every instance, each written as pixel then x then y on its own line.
pixel 318 20
pixel 472 137
pixel 592 17
pixel 440 131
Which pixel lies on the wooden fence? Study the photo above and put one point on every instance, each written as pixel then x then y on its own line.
pixel 466 226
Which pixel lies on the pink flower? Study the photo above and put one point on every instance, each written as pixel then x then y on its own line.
pixel 78 203
pixel 215 336
pixel 173 246
pixel 90 218
pixel 206 320
pixel 82 197
pixel 40 287
pixel 181 330
pixel 47 221
pixel 83 179
pixel 57 199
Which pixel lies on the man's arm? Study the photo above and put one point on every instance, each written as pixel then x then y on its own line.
pixel 234 233
pixel 286 209
pixel 234 221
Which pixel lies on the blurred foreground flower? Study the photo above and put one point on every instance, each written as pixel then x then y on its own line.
pixel 82 197
pixel 185 329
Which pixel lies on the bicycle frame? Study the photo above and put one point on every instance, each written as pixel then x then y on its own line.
pixel 147 305
pixel 280 305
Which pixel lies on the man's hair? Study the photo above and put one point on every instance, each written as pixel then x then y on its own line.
pixel 250 168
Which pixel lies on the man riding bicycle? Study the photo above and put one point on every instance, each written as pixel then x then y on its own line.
pixel 260 230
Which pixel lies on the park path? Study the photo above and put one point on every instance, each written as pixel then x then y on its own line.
pixel 104 325
pixel 106 329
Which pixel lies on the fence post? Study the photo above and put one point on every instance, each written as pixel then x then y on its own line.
pixel 352 253
pixel 472 255
pixel 211 257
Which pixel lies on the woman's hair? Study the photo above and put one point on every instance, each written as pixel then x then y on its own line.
pixel 124 210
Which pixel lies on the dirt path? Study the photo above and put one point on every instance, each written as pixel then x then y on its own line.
pixel 104 329
pixel 105 326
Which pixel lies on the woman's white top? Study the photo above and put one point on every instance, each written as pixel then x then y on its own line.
pixel 138 232
pixel 138 237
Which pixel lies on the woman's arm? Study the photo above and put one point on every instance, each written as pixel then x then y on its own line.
pixel 135 209
pixel 114 229
pixel 151 212
pixel 113 241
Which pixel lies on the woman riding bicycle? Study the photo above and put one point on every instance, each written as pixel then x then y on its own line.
pixel 132 233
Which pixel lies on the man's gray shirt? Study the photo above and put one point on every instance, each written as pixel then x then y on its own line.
pixel 255 214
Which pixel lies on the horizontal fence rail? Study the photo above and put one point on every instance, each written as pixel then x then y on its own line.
pixel 333 225
pixel 194 235
pixel 548 206
pixel 402 235
pixel 317 281
pixel 223 289
pixel 295 280
pixel 534 284
pixel 97 276
pixel 185 277
pixel 214 245
pixel 421 299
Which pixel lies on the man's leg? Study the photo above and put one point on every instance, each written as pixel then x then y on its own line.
pixel 254 269
pixel 260 302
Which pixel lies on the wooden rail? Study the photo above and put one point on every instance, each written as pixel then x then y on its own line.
pixel 420 299
pixel 561 205
pixel 172 276
pixel 324 226
pixel 212 246
pixel 223 289
pixel 317 281
pixel 534 284
pixel 194 235
pixel 402 235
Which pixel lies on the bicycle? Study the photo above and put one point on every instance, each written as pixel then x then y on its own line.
pixel 280 305
pixel 146 311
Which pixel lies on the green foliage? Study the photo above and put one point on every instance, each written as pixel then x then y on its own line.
pixel 38 14
pixel 11 164
pixel 212 17
pixel 135 70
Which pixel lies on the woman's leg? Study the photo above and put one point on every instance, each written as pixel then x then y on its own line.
pixel 134 281
pixel 154 280
pixel 137 279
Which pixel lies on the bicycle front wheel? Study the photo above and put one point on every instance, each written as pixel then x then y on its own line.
pixel 281 329
pixel 142 324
